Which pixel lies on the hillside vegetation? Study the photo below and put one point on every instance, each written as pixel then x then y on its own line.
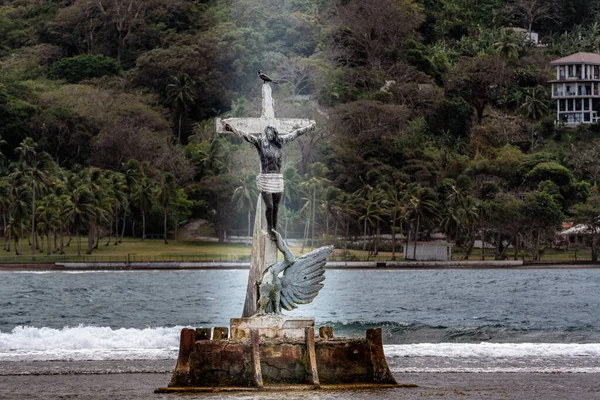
pixel 431 117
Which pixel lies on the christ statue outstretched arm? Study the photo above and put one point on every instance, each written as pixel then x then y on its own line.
pixel 298 132
pixel 243 134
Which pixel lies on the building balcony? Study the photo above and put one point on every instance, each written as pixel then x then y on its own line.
pixel 583 93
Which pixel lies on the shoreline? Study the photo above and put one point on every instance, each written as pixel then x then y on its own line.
pixel 492 386
pixel 341 265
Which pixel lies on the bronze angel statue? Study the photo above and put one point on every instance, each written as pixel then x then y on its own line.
pixel 300 283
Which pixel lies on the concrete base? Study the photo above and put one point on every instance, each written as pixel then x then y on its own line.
pixel 275 357
pixel 270 326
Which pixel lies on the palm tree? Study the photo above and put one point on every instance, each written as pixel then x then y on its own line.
pixel 47 215
pixel 33 168
pixel 165 193
pixel 292 180
pixel 181 94
pixel 396 207
pixel 373 210
pixel 468 213
pixel 316 179
pixel 133 176
pixel 118 190
pixel 144 199
pixel 421 206
pixel 79 209
pixel 5 202
pixel 508 44
pixel 245 196
pixel 535 105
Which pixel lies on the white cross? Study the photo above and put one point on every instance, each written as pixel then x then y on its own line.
pixel 257 125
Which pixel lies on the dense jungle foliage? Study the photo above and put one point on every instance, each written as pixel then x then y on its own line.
pixel 432 117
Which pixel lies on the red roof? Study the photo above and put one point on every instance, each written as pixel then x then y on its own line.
pixel 578 58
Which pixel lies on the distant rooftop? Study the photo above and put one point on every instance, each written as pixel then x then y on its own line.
pixel 579 58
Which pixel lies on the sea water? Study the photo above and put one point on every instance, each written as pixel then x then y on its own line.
pixel 432 320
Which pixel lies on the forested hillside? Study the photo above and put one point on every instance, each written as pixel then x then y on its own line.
pixel 431 117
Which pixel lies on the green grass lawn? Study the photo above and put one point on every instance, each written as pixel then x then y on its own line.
pixel 155 250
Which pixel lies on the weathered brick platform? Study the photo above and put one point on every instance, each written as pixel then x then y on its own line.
pixel 266 354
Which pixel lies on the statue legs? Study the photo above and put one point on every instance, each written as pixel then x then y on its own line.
pixel 272 203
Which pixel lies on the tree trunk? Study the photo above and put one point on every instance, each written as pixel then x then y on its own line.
pixel 482 246
pixel 116 227
pixel 517 243
pixel 17 246
pixel 124 222
pixel 49 244
pixel 179 132
pixel 537 245
pixel 97 236
pixel 90 239
pixel 33 219
pixel 305 237
pixel 165 225
pixel 364 235
pixel 143 225
pixel 346 239
pixel 405 253
pixel 78 242
pixel 4 230
pixel 394 236
pixel 594 255
pixel 416 237
pixel 110 232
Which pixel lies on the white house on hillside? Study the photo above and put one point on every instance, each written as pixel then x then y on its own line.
pixel 575 88
pixel 531 37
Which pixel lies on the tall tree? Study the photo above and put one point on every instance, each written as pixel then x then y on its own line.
pixel 165 193
pixel 245 196
pixel 181 95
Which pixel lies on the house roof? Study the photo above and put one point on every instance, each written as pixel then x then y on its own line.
pixel 578 58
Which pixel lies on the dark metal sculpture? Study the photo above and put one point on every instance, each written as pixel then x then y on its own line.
pixel 300 283
pixel 270 150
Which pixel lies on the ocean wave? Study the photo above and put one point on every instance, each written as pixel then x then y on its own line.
pixel 407 333
pixel 494 350
pixel 93 343
pixel 89 343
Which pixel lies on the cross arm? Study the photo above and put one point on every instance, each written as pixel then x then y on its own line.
pixel 239 132
pixel 298 132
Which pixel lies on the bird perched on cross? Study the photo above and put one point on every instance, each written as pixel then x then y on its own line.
pixel 265 77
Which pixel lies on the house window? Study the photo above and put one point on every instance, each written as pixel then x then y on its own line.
pixel 596 72
pixel 577 104
pixel 563 105
pixel 586 117
pixel 570 104
pixel 570 70
pixel 586 105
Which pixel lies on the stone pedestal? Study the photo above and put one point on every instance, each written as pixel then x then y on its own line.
pixel 273 353
pixel 270 326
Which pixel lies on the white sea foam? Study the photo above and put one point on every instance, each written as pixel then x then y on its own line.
pixel 88 343
pixel 494 350
pixel 104 343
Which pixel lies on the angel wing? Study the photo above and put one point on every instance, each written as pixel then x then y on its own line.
pixel 301 281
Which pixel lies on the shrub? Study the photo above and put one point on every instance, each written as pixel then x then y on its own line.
pixel 85 66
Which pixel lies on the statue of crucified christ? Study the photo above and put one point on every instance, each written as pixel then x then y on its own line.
pixel 270 150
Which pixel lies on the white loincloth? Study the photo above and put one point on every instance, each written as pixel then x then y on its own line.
pixel 270 183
